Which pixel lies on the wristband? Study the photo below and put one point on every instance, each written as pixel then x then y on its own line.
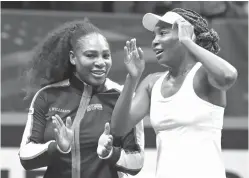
pixel 64 152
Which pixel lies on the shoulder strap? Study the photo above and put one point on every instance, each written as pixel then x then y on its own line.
pixel 193 71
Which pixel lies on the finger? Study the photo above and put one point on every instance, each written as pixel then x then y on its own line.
pixel 141 53
pixel 128 46
pixel 133 45
pixel 100 150
pixel 59 119
pixel 127 57
pixel 69 122
pixel 110 137
pixel 57 135
pixel 107 129
pixel 56 123
pixel 175 25
pixel 135 48
pixel 135 55
pixel 126 51
pixel 108 144
pixel 110 141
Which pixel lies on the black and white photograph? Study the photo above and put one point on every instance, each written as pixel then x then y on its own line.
pixel 124 89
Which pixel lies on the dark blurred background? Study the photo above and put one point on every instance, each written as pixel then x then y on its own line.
pixel 25 23
pixel 214 9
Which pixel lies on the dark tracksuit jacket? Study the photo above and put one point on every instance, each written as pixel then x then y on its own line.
pixel 89 112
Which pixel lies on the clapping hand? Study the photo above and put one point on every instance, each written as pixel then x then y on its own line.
pixel 105 142
pixel 63 133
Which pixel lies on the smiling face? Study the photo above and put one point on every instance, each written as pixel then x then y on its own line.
pixel 92 58
pixel 166 44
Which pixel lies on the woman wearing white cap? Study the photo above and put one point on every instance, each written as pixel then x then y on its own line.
pixel 186 103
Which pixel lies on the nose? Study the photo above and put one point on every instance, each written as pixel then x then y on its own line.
pixel 100 62
pixel 155 42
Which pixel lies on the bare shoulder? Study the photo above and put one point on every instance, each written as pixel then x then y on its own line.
pixel 149 81
pixel 207 92
pixel 154 77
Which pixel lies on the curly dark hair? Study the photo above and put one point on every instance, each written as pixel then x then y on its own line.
pixel 50 61
pixel 205 37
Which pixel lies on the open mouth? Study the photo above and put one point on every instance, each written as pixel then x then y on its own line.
pixel 158 52
pixel 98 73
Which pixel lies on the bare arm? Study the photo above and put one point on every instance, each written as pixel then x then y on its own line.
pixel 221 74
pixel 129 111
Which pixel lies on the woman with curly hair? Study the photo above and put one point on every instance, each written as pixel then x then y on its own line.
pixel 69 111
pixel 186 103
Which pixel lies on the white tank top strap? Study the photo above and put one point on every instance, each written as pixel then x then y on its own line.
pixel 193 71
pixel 160 79
pixel 156 88
pixel 187 85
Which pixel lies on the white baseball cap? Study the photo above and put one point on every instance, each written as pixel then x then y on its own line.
pixel 150 20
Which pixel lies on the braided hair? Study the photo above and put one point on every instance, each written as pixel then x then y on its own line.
pixel 50 61
pixel 205 37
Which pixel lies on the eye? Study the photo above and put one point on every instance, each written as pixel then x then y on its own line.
pixel 90 55
pixel 106 56
pixel 164 32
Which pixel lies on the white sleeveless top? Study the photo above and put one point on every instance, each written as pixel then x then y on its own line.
pixel 188 132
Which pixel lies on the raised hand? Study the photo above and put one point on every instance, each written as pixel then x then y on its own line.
pixel 185 30
pixel 105 142
pixel 63 133
pixel 134 60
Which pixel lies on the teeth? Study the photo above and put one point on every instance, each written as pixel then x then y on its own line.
pixel 158 52
pixel 98 73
